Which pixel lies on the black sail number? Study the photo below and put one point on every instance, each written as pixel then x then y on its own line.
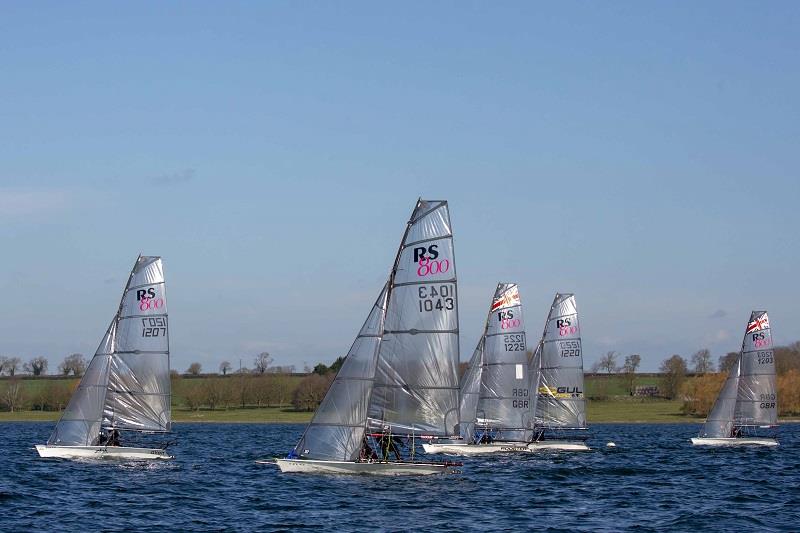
pixel 765 357
pixel 436 298
pixel 514 342
pixel 569 348
pixel 154 326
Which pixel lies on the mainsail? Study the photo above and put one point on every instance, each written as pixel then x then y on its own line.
pixel 749 396
pixel 557 369
pixel 504 404
pixel 416 381
pixel 127 384
pixel 337 429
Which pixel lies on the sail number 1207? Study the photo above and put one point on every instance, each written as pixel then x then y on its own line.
pixel 436 297
pixel 154 327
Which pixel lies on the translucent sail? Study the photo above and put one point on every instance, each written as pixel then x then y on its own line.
pixel 756 402
pixel 505 399
pixel 138 395
pixel 337 429
pixel 560 400
pixel 126 385
pixel 470 392
pixel 720 420
pixel 416 383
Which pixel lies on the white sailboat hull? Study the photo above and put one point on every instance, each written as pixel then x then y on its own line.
pixel 463 448
pixel 730 441
pixel 100 452
pixel 313 466
pixel 559 445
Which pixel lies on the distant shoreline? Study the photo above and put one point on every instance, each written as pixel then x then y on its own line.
pixel 599 412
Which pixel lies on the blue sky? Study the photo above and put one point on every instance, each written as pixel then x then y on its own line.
pixel 642 156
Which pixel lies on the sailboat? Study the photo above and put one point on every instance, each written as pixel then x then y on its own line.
pixel 126 387
pixel 496 403
pixel 557 375
pixel 399 380
pixel 748 400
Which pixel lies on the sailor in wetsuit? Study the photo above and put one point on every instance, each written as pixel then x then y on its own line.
pixel 390 443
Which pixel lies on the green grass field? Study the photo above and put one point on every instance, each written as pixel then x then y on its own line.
pixel 609 401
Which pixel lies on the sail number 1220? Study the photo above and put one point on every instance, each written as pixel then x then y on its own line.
pixel 438 297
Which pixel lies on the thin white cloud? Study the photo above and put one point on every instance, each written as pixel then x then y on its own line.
pixel 23 203
pixel 175 178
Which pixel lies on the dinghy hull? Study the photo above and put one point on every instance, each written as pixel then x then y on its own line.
pixel 559 445
pixel 101 452
pixel 741 441
pixel 312 466
pixel 463 448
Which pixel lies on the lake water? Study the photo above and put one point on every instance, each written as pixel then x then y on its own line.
pixel 654 479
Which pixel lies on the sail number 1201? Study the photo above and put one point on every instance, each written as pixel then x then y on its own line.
pixel 436 297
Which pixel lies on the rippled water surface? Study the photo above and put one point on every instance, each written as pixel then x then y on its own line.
pixel 653 479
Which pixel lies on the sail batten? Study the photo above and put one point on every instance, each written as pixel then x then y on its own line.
pixel 126 385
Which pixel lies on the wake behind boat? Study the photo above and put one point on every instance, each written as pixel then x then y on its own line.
pixel 400 376
pixel 748 401
pixel 126 388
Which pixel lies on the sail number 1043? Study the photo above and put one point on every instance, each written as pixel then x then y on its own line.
pixel 436 297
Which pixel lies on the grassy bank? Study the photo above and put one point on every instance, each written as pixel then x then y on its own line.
pixel 598 411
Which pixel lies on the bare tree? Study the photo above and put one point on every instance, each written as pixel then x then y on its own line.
pixel 632 362
pixel 2 364
pixel 261 362
pixel 225 367
pixel 192 393
pixel 12 365
pixel 727 361
pixel 36 366
pixel 194 369
pixel 74 364
pixel 609 362
pixel 674 370
pixel 701 360
pixel 11 395
pixel 310 391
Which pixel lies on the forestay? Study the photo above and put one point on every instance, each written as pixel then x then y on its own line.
pixel 505 401
pixel 557 368
pixel 749 396
pixel 337 429
pixel 127 384
pixel 416 383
